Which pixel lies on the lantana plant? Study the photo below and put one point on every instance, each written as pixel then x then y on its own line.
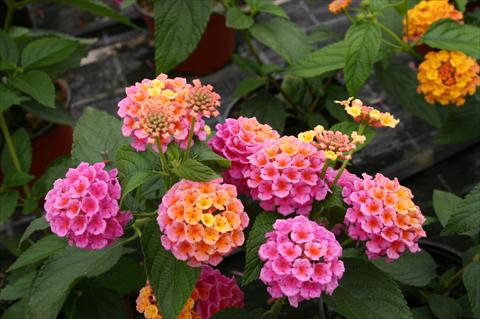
pixel 192 200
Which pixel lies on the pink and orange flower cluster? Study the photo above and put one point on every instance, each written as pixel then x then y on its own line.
pixel 302 260
pixel 157 112
pixel 383 214
pixel 236 140
pixel 202 221
pixel 84 207
pixel 284 175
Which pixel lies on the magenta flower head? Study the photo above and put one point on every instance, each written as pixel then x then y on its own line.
pixel 383 214
pixel 285 174
pixel 301 260
pixel 236 139
pixel 216 292
pixel 83 207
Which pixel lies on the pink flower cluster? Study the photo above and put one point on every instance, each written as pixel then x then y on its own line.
pixel 301 260
pixel 284 175
pixel 383 214
pixel 202 221
pixel 162 110
pixel 216 292
pixel 236 139
pixel 83 206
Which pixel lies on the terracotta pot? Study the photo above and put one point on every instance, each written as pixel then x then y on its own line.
pixel 213 51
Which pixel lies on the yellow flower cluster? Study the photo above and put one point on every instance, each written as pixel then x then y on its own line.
pixel 336 6
pixel 424 14
pixel 448 77
pixel 368 115
pixel 147 304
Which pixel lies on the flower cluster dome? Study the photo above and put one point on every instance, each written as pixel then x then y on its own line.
pixel 448 77
pixel 284 174
pixel 383 214
pixel 337 6
pixel 160 111
pixel 202 221
pixel 424 14
pixel 302 260
pixel 236 139
pixel 83 207
pixel 368 115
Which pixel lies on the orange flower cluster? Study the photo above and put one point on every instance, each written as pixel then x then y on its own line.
pixel 202 221
pixel 147 305
pixel 448 77
pixel 368 115
pixel 336 6
pixel 424 14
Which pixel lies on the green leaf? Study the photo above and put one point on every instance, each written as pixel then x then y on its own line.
pixel 327 59
pixel 365 292
pixel 461 4
pixel 29 205
pixel 16 311
pixel 97 137
pixel 19 288
pixel 263 224
pixel 444 307
pixel 267 6
pixel 46 51
pixel 203 153
pixel 267 109
pixel 274 33
pixel 195 171
pixel 99 303
pixel 179 25
pixel 334 199
pixel 444 204
pixel 55 170
pixel 8 202
pixel 246 65
pixel 410 269
pixel 248 85
pixel 8 52
pixel 320 33
pixel 37 84
pixel 400 83
pixel 363 43
pixel 40 250
pixel 59 114
pixel 461 124
pixel 449 35
pixel 296 88
pixel 466 216
pixel 315 119
pixel 36 224
pixel 171 279
pixel 98 8
pixel 23 148
pixel 7 98
pixel 471 280
pixel 60 272
pixel 14 179
pixel 237 19
pixel 126 276
pixel 421 313
pixel 347 127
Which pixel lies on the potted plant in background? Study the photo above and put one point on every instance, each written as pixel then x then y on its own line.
pixel 190 37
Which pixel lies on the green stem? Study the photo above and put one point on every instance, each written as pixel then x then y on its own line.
pixel 324 169
pixel 163 158
pixel 190 138
pixel 314 103
pixel 251 47
pixel 139 215
pixel 12 151
pixel 349 17
pixel 9 17
pixel 361 128
pixel 404 45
